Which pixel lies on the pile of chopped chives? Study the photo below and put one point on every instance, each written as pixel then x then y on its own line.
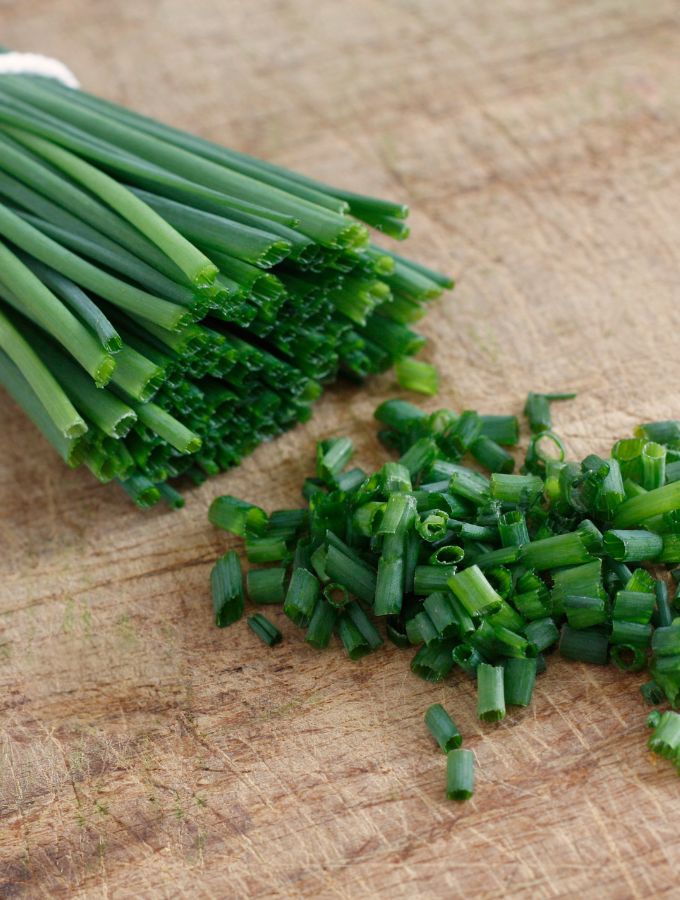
pixel 484 573
pixel 166 304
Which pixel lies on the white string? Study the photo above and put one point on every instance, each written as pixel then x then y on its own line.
pixel 36 64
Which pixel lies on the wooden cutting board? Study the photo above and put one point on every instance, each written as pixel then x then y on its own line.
pixel 145 753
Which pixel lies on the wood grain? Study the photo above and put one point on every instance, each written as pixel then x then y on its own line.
pixel 144 753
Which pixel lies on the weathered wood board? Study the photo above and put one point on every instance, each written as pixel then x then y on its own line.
pixel 143 753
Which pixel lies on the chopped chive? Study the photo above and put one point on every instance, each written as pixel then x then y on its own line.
pixel 237 516
pixel 582 612
pixel 475 593
pixel 266 585
pixel 395 477
pixel 653 459
pixel 652 693
pixel 554 552
pixel 264 629
pixel 431 578
pixel 268 548
pixel 490 693
pixel 368 517
pixel 332 457
pixel 399 414
pixel 654 503
pixel 361 621
pixel 491 455
pixel 634 606
pixel 420 629
pixel 519 676
pixel 503 556
pixel 542 633
pixel 666 641
pixel 632 545
pixel 433 662
pixel 460 774
pixel 662 432
pixel 470 485
pixel 500 580
pixel 634 633
pixel 522 489
pixel 226 581
pixel 442 614
pixel 336 595
pixel 663 616
pixel 389 588
pixel 433 526
pixel 321 624
pixel 442 728
pixel 504 430
pixel 665 739
pixel 584 645
pixel 318 563
pixel 628 657
pixel 359 578
pixel 301 597
pixel 419 456
pixel 353 641
pixel 413 375
pixel 532 605
pixel 512 529
pixel 591 535
pixel 537 409
pixel 467 657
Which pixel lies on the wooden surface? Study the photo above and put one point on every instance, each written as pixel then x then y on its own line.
pixel 143 753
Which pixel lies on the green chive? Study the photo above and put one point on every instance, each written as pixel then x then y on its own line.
pixel 628 657
pixel 634 606
pixel 301 597
pixel 504 430
pixel 460 774
pixel 491 455
pixel 389 589
pixel 512 529
pixel 359 578
pixel 266 586
pixel 226 581
pixel 413 375
pixel 553 552
pixel 632 545
pixel 519 676
pixel 490 693
pixel 353 641
pixel 522 489
pixel 265 630
pixel 433 662
pixel 584 645
pixel 467 657
pixel 475 593
pixel 442 728
pixel 665 739
pixel 653 503
pixel 542 633
pixel 583 612
pixel 321 624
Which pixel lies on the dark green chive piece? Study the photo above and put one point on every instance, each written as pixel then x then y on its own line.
pixel 504 430
pixel 628 657
pixel 321 624
pixel 460 774
pixel 582 612
pixel 491 455
pixel 363 624
pixel 652 693
pixel 632 546
pixel 490 693
pixel 301 597
pixel 519 678
pixel 633 606
pixel 584 645
pixel 226 582
pixel 237 516
pixel 442 728
pixel 353 641
pixel 433 662
pixel 665 739
pixel 264 629
pixel 633 633
pixel 542 633
pixel 266 585
pixel 336 595
pixel 467 657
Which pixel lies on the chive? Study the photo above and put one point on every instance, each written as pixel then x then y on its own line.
pixel 491 455
pixel 317 563
pixel 264 629
pixel 433 662
pixel 522 489
pixel 266 585
pixel 361 621
pixel 671 549
pixel 653 718
pixel 512 529
pixel 633 606
pixel 665 739
pixel 591 535
pixel 519 676
pixel 226 581
pixel 442 728
pixel 633 633
pixel 368 517
pixel 353 641
pixel 419 456
pixel 467 657
pixel 666 641
pixel 628 657
pixel 632 545
pixel 490 693
pixel 661 432
pixel 653 459
pixel 553 552
pixel 475 593
pixel 500 580
pixel 470 485
pixel 442 614
pixel 301 597
pixel 465 431
pixel 460 775
pixel 333 456
pixel 394 511
pixel 545 450
pixel 652 693
pixel 537 410
pixel 413 375
pixel 268 548
pixel 321 624
pixel 542 633
pixel 653 503
pixel 508 618
pixel 389 589
pixel 531 605
pixel 395 477
pixel 641 580
pixel 428 579
pixel 420 629
pixel 504 430
pixel 359 578
pixel 433 526
pixel 335 594
pixel 399 414
pixel 584 645
pixel 350 481
pixel 503 556
pixel 663 616
pixel 582 612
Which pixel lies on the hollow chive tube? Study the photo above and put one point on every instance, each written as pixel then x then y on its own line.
pixel 519 676
pixel 491 455
pixel 662 432
pixel 475 593
pixel 389 588
pixel 580 581
pixel 555 552
pixel 512 529
pixel 442 614
pixel 226 582
pixel 531 605
pixel 542 633
pixel 641 580
pixel 591 535
pixel 332 456
pixel 632 546
pixel 653 503
pixel 353 641
pixel 368 517
pixel 399 414
pixel 666 641
pixel 395 477
pixel 237 516
pixel 363 624
pixel 321 624
pixel 515 488
pixel 317 564
pixel 266 585
pixel 653 459
pixel 503 556
pixel 583 612
pixel 633 606
pixel 467 657
pixel 663 616
pixel 419 456
pixel 507 617
pixel 427 579
pixel 396 632
pixel 446 556
pixel 500 579
pixel 301 597
pixel 434 661
pixel 266 548
pixel 433 526
pixel 584 645
pixel 350 481
pixel 395 508
pixel 504 430
pixel 420 629
pixel 355 575
pixel 442 728
pixel 469 485
pixel 671 549
pixel 652 693
pixel 264 629
pixel 628 657
pixel 414 375
pixel 465 624
pixel 485 640
pixel 460 774
pixel 464 432
pixel 653 718
pixel 490 693
pixel 633 633
pixel 665 739
pixel 336 595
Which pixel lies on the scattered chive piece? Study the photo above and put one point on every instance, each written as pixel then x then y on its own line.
pixel 584 645
pixel 433 662
pixel 321 624
pixel 460 774
pixel 443 728
pixel 237 516
pixel 226 581
pixel 635 546
pixel 414 375
pixel 519 678
pixel 633 606
pixel 353 641
pixel 490 693
pixel 266 585
pixel 474 591
pixel 264 629
pixel 582 612
pixel 301 597
pixel 665 739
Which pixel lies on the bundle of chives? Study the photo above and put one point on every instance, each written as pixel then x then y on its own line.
pixel 205 294
pixel 482 575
